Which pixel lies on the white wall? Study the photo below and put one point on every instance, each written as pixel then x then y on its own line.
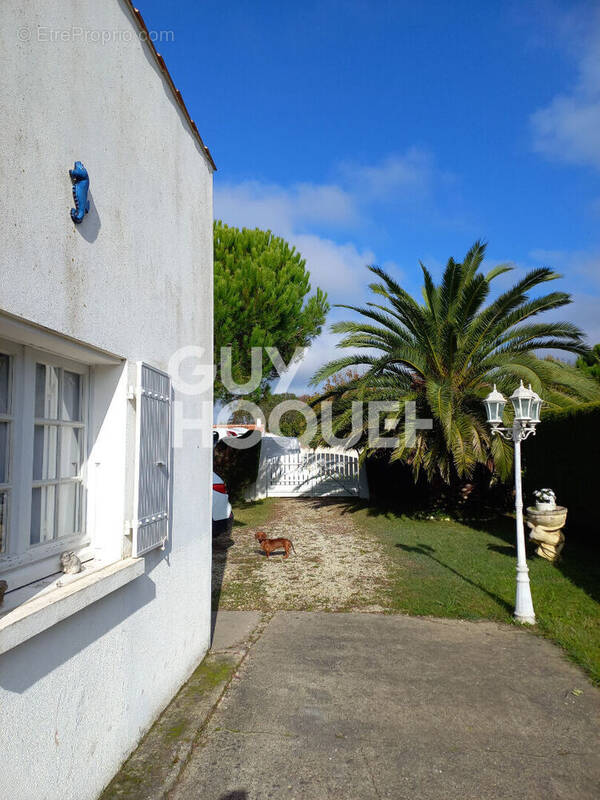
pixel 135 278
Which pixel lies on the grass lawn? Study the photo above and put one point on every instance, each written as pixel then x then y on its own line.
pixel 447 569
pixel 249 515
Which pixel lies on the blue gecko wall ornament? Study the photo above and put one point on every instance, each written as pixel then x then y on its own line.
pixel 81 183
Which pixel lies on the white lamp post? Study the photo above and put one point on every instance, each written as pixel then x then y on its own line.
pixel 526 404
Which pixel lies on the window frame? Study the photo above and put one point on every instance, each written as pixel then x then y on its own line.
pixel 7 487
pixel 26 562
pixel 61 425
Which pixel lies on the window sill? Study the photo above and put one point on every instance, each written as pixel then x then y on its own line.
pixel 34 608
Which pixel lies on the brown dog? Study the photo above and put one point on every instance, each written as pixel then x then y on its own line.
pixel 270 545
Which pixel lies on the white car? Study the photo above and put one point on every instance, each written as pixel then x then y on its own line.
pixel 222 514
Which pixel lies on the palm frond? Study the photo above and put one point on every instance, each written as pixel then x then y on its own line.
pixel 447 352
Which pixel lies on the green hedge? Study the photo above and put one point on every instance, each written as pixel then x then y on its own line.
pixel 564 455
pixel 392 485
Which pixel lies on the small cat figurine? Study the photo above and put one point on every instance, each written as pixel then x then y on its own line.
pixel 70 563
pixel 3 588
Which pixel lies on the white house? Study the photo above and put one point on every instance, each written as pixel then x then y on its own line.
pixel 90 316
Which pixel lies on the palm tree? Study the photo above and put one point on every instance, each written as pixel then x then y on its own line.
pixel 446 353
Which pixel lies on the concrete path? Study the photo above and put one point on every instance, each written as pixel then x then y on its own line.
pixel 155 765
pixel 353 706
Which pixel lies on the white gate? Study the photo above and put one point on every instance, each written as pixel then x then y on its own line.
pixel 313 473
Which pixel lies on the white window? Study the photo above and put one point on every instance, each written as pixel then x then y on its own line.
pixel 58 448
pixel 43 454
pixel 68 481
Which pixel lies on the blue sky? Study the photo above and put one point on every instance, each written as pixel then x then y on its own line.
pixel 387 132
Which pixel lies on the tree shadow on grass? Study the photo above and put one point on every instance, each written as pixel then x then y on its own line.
pixel 579 562
pixel 428 551
pixel 504 550
pixel 488 517
pixel 352 505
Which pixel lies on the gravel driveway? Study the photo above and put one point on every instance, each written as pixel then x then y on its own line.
pixel 336 566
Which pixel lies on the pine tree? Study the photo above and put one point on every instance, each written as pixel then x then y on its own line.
pixel 260 293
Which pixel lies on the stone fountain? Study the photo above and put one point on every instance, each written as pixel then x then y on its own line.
pixel 546 530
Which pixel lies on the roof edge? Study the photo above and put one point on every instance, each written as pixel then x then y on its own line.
pixel 136 14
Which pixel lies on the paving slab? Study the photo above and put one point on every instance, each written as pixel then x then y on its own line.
pixel 231 629
pixel 360 706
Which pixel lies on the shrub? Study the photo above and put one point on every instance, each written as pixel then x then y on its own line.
pixel 392 485
pixel 238 468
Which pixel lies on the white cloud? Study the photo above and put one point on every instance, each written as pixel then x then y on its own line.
pixel 580 263
pixel 568 128
pixel 253 204
pixel 325 204
pixel 295 212
pixel 302 211
pixel 413 172
pixel 334 267
pixel 582 312
pixel 338 268
pixel 344 204
pixel 584 267
pixel 322 350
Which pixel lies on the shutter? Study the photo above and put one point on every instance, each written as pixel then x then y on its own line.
pixel 153 460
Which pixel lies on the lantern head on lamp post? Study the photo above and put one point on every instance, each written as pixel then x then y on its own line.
pixel 536 405
pixel 522 400
pixel 494 406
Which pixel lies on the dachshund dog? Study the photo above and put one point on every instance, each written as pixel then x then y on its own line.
pixel 270 545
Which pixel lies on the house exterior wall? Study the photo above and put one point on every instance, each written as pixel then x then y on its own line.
pixel 135 279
